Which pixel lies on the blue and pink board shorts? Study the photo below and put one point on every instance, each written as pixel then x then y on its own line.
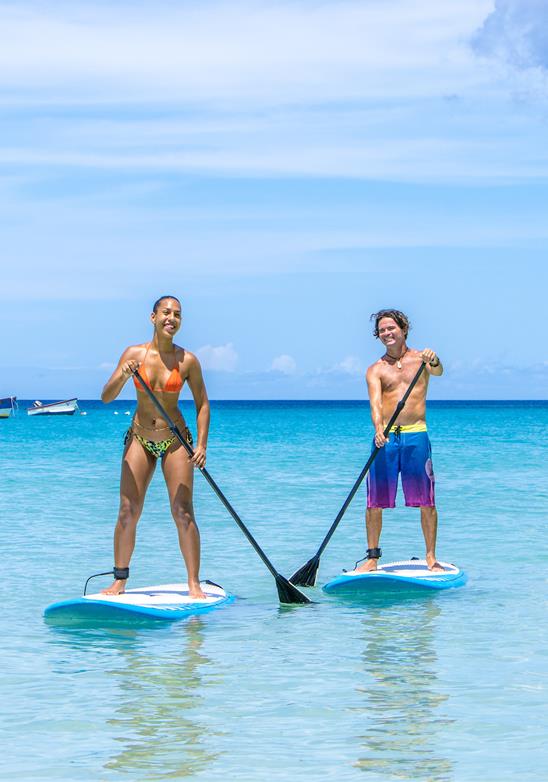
pixel 409 453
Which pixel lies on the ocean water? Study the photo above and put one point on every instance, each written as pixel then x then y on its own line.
pixel 449 687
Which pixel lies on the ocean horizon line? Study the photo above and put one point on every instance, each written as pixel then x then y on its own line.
pixel 296 401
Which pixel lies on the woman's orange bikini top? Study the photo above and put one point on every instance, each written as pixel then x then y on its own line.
pixel 173 384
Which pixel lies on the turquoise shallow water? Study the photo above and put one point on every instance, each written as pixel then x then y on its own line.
pixel 449 687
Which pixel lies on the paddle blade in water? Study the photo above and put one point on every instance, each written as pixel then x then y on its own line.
pixel 306 576
pixel 288 593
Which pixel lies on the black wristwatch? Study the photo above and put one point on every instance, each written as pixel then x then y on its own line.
pixel 438 362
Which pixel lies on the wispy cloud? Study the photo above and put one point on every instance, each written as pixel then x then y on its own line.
pixel 496 380
pixel 268 51
pixel 284 148
pixel 284 364
pixel 493 379
pixel 350 365
pixel 269 88
pixel 256 88
pixel 222 358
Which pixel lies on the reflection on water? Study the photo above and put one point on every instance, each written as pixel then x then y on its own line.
pixel 156 708
pixel 156 695
pixel 401 694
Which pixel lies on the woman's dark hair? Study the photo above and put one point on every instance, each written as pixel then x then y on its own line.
pixel 157 302
pixel 399 317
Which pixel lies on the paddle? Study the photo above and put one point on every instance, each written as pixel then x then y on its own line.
pixel 286 591
pixel 306 575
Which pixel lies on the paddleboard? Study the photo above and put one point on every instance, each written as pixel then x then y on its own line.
pixel 167 602
pixel 405 576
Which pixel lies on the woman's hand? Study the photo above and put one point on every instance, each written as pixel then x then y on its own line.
pixel 199 458
pixel 129 367
pixel 125 367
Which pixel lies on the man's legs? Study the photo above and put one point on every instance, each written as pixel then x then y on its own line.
pixel 417 477
pixel 429 523
pixel 382 485
pixel 373 524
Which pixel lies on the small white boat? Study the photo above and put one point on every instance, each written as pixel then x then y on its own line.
pixel 65 407
pixel 8 406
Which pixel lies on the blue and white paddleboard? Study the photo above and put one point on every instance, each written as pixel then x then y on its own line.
pixel 406 576
pixel 166 602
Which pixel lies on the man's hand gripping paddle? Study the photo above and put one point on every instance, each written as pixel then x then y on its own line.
pixel 286 591
pixel 306 575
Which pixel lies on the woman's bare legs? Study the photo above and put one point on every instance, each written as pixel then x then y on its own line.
pixel 179 476
pixel 137 471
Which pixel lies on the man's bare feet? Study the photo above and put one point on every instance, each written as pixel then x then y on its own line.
pixel 118 587
pixel 367 567
pixel 195 591
pixel 433 564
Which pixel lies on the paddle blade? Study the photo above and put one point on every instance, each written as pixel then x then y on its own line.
pixel 306 576
pixel 288 593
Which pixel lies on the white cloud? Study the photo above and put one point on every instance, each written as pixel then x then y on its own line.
pixel 285 364
pixel 267 51
pixel 351 365
pixel 263 88
pixel 516 32
pixel 222 358
pixel 285 148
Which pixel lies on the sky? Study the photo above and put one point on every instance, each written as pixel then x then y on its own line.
pixel 286 169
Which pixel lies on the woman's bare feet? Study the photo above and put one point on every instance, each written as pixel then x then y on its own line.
pixel 118 587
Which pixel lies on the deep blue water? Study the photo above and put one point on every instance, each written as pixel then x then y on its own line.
pixel 446 688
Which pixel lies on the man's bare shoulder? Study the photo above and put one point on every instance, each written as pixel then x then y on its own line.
pixel 376 367
pixel 413 353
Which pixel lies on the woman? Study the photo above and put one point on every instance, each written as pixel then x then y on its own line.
pixel 164 367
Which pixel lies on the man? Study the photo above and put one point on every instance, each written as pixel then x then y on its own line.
pixel 407 449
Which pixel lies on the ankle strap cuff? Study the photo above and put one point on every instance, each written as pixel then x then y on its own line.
pixel 374 553
pixel 120 573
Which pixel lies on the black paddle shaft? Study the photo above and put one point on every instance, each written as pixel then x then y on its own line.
pixel 285 589
pixel 374 452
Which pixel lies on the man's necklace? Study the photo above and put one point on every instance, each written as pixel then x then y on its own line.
pixel 397 360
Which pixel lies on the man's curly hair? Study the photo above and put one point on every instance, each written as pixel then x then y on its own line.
pixel 399 317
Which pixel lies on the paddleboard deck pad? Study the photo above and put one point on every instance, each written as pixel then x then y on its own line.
pixel 167 602
pixel 405 576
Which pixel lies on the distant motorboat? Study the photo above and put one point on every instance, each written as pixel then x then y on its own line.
pixel 8 406
pixel 65 407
